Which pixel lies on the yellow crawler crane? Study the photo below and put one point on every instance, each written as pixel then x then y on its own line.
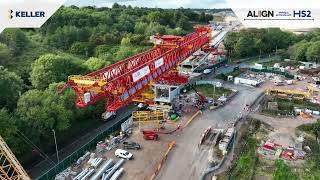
pixel 10 168
pixel 287 94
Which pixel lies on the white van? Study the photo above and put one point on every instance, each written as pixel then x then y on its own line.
pixel 123 154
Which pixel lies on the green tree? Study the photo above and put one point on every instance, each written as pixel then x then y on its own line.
pixel 11 86
pixel 140 27
pixel 5 54
pixel 313 52
pixel 298 51
pixel 124 52
pixel 51 68
pixel 230 41
pixel 65 36
pixel 183 22
pixel 202 17
pixel 316 130
pixel 154 16
pixel 126 41
pixel 15 39
pixel 283 172
pixel 82 48
pixel 43 111
pixel 94 64
pixel 244 47
pixel 155 28
pixel 8 131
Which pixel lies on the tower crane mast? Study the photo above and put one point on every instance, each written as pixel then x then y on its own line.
pixel 10 168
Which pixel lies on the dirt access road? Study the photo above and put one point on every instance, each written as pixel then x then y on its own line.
pixel 187 161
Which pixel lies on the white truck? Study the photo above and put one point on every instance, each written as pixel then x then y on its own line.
pixel 120 153
pixel 279 83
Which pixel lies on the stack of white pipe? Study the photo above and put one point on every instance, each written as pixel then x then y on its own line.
pixel 117 174
pixel 95 162
pixel 101 171
pixel 80 175
pixel 114 169
pixel 86 176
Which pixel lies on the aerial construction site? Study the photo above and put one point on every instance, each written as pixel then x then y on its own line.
pixel 198 100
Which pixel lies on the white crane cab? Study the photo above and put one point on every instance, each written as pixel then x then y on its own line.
pixel 108 115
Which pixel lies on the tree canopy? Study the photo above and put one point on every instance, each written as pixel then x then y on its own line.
pixel 51 68
pixel 11 87
pixel 252 42
pixel 44 111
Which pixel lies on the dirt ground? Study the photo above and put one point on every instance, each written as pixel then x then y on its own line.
pixel 147 159
pixel 284 128
pixel 297 85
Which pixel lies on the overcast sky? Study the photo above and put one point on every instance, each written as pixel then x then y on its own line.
pixel 210 4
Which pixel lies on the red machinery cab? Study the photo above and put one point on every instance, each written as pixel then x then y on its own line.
pixel 153 137
pixel 150 135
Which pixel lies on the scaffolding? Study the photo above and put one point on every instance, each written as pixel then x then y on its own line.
pixel 147 116
pixel 10 168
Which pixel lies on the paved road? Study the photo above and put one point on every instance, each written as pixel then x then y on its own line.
pixel 186 161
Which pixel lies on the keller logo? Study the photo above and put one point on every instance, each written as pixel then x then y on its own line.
pixel 10 14
pixel 26 14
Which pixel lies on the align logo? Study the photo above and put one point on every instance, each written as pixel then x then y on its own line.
pixel 260 13
pixel 26 14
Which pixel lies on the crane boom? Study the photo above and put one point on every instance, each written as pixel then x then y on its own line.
pixel 10 168
pixel 121 82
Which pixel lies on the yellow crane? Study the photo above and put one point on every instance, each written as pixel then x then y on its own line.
pixel 287 93
pixel 10 168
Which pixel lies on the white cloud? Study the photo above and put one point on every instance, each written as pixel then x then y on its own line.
pixel 152 3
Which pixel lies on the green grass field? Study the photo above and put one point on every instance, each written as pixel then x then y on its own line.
pixel 209 90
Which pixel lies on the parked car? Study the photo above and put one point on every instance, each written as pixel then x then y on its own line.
pixel 120 153
pixel 207 71
pixel 131 145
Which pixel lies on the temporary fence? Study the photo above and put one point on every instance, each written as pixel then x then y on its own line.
pixel 274 71
pixel 49 175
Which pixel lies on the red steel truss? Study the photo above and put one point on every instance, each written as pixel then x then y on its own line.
pixel 119 83
pixel 173 78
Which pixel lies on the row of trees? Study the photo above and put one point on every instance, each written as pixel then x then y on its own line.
pixel 82 30
pixel 252 42
pixel 305 51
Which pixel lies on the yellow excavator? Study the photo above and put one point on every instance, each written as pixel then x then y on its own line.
pixel 10 167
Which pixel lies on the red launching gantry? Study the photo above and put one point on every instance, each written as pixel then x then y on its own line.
pixel 121 82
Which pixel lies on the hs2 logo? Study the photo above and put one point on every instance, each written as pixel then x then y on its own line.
pixel 303 13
